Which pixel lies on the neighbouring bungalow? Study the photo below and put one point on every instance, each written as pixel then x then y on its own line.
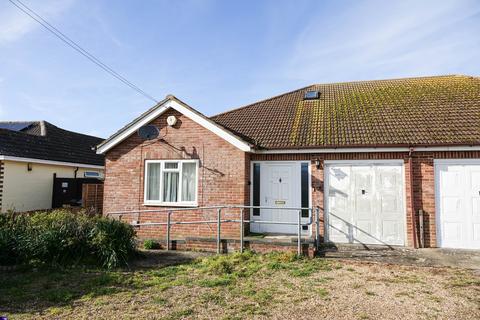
pixel 43 166
pixel 373 156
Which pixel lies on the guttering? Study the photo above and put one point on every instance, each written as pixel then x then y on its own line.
pixel 51 162
pixel 371 149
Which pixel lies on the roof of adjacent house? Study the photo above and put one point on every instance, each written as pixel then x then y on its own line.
pixel 42 140
pixel 424 111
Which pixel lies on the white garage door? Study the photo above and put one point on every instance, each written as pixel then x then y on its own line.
pixel 458 203
pixel 365 203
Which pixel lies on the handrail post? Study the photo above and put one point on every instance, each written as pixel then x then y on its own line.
pixel 241 229
pixel 169 217
pixel 317 231
pixel 219 221
pixel 299 239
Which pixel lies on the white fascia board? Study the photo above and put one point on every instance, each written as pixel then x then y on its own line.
pixel 333 150
pixel 51 162
pixel 125 134
pixel 448 148
pixel 369 150
pixel 185 111
pixel 456 161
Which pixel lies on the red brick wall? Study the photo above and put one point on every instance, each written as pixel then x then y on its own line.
pixel 423 181
pixel 223 173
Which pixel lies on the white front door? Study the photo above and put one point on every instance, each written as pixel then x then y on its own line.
pixel 458 204
pixel 279 188
pixel 365 203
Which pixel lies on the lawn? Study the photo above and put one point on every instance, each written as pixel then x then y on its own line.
pixel 238 286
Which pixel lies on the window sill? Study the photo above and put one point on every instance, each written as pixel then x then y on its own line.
pixel 169 205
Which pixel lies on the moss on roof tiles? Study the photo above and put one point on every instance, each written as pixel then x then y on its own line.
pixel 412 111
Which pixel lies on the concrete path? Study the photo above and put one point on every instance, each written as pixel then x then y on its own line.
pixel 428 257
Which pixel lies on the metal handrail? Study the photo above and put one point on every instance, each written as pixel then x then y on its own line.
pixel 242 221
pixel 207 208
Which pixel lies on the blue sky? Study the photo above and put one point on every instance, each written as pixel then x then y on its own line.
pixel 218 55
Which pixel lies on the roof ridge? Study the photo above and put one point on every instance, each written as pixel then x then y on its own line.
pixel 44 127
pixel 260 101
pixel 18 121
pixel 396 79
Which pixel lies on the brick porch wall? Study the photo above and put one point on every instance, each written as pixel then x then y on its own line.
pixel 223 176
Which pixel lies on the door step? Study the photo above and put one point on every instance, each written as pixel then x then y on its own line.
pixel 343 247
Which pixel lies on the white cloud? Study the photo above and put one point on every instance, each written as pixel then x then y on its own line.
pixel 401 38
pixel 14 24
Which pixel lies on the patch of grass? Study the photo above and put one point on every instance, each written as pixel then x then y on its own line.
pixel 363 316
pixel 60 295
pixel 402 278
pixel 264 296
pixel 180 314
pixel 404 294
pixel 464 281
pixel 151 244
pixel 435 299
pixel 213 297
pixel 322 292
pixel 306 267
pixel 215 282
pixel 159 301
pixel 303 271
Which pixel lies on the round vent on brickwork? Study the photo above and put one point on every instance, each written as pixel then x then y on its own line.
pixel 148 132
pixel 171 120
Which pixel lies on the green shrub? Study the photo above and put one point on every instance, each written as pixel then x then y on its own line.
pixel 112 241
pixel 151 244
pixel 60 237
pixel 8 241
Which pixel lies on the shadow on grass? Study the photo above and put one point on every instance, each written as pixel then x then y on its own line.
pixel 32 291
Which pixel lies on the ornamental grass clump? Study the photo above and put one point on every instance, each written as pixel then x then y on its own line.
pixel 61 237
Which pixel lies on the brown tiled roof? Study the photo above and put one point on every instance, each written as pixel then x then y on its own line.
pixel 441 110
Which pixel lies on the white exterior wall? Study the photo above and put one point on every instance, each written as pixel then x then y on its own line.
pixel 25 190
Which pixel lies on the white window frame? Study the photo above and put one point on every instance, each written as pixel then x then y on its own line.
pixel 162 170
